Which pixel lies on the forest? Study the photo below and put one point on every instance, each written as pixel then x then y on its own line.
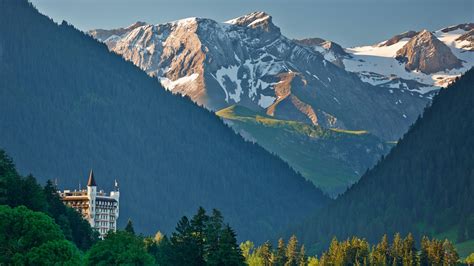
pixel 41 230
pixel 68 105
pixel 424 185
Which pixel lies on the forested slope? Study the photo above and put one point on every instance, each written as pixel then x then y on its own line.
pixel 424 185
pixel 67 105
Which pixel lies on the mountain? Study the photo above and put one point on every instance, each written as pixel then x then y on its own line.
pixel 247 62
pixel 425 53
pixel 424 185
pixel 331 51
pixel 413 61
pixel 67 105
pixel 310 147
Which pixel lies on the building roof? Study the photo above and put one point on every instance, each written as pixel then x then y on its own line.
pixel 91 181
pixel 108 199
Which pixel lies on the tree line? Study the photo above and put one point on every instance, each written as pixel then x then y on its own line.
pixel 354 251
pixel 68 104
pixel 423 186
pixel 38 229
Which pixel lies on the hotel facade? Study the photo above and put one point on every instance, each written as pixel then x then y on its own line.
pixel 100 209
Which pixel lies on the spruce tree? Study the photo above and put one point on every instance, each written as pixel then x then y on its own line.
pixel 292 251
pixel 280 257
pixel 129 227
pixel 266 253
pixel 302 259
pixel 229 252
pixel 450 256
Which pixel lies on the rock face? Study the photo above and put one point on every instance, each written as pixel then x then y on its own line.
pixel 248 62
pixel 377 64
pixel 398 37
pixel 425 53
pixel 464 26
pixel 331 51
pixel 467 40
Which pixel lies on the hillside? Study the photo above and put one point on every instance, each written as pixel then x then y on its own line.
pixel 331 158
pixel 248 62
pixel 424 185
pixel 67 105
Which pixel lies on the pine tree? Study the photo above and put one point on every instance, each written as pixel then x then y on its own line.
pixel 129 227
pixel 335 254
pixel 302 259
pixel 266 253
pixel 409 251
pixel 450 256
pixel 185 248
pixel 396 250
pixel 213 235
pixel 198 224
pixel 380 254
pixel 292 251
pixel 229 252
pixel 280 257
pixel 423 259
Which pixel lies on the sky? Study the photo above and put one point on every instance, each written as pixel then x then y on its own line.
pixel 347 22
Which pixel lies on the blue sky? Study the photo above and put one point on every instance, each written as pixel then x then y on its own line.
pixel 348 22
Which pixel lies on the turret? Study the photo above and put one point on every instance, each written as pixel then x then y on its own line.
pixel 116 195
pixel 91 195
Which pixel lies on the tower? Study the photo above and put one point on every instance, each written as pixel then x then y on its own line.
pixel 116 195
pixel 91 196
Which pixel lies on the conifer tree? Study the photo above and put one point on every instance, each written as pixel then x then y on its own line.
pixel 292 251
pixel 229 252
pixel 129 227
pixel 409 250
pixel 198 224
pixel 302 259
pixel 185 249
pixel 380 254
pixel 396 250
pixel 266 253
pixel 280 257
pixel 450 256
pixel 213 235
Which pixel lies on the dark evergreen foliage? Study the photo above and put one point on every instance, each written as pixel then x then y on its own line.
pixel 28 237
pixel 25 191
pixel 129 227
pixel 424 185
pixel 119 248
pixel 67 105
pixel 203 240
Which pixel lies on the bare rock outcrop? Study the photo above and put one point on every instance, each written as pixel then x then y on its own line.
pixel 425 53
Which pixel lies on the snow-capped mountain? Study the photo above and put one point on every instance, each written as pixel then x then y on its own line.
pixel 247 61
pixel 416 61
pixel 367 95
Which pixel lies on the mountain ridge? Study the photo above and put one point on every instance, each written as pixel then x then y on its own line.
pixel 86 107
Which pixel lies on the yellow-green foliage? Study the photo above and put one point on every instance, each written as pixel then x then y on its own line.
pixel 354 132
pixel 356 251
pixel 245 115
pixel 470 259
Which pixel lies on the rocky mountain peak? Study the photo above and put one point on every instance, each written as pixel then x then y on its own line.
pixel 426 53
pixel 331 51
pixel 468 38
pixel 464 26
pixel 395 39
pixel 255 20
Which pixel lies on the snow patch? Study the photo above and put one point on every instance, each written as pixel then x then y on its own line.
pixel 265 101
pixel 171 84
pixel 231 73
